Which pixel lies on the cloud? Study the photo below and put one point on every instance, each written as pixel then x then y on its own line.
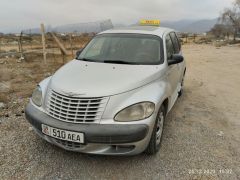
pixel 17 14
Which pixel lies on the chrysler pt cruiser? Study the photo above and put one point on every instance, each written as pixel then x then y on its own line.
pixel 112 99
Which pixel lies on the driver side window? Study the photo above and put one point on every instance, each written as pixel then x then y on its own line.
pixel 169 47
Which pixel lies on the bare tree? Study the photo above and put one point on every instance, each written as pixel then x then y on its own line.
pixel 222 31
pixel 218 30
pixel 231 16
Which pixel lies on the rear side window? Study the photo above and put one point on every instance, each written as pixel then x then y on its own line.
pixel 169 47
pixel 175 42
pixel 179 41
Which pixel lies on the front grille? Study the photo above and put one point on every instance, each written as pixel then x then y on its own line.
pixel 75 109
pixel 68 144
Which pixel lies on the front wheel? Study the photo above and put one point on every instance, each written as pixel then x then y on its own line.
pixel 182 84
pixel 155 141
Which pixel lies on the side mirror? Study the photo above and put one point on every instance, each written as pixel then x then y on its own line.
pixel 78 53
pixel 176 58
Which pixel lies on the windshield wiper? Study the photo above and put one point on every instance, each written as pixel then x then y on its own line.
pixel 118 62
pixel 107 61
pixel 87 59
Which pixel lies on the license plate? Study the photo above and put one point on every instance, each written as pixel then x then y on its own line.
pixel 63 134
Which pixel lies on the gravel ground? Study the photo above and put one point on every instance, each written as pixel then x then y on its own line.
pixel 201 138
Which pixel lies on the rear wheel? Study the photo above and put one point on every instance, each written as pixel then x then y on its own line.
pixel 155 141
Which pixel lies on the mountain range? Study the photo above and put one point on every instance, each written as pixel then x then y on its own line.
pixel 188 26
pixel 191 26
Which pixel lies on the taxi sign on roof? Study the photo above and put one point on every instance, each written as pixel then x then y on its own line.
pixel 150 22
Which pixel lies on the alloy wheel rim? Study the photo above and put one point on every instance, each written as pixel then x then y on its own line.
pixel 159 128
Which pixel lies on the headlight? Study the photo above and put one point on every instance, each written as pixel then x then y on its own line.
pixel 37 96
pixel 136 112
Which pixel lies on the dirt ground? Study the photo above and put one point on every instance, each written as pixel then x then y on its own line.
pixel 201 137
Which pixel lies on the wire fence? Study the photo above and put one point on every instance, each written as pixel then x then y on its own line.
pixel 60 41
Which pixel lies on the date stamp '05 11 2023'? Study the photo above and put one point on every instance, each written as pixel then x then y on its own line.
pixel 209 171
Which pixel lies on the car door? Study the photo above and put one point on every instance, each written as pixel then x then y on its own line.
pixel 173 70
pixel 177 50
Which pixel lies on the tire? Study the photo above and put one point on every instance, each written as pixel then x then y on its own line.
pixel 156 138
pixel 182 85
pixel 180 92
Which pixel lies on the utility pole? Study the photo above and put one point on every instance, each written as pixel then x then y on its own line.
pixel 44 44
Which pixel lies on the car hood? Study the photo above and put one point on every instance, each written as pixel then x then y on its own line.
pixel 91 79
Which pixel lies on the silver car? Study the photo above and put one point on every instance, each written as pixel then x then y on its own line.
pixel 112 99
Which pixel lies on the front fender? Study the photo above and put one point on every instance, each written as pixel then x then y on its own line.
pixel 155 92
pixel 44 86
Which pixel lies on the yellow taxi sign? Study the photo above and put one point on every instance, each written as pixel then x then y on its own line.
pixel 150 22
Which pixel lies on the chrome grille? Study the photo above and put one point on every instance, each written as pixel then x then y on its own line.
pixel 68 144
pixel 75 109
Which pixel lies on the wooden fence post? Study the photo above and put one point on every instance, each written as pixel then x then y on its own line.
pixel 44 44
pixel 20 48
pixel 61 46
pixel 71 44
pixel 30 34
pixel 0 43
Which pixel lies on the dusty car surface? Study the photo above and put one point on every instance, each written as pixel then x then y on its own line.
pixel 112 99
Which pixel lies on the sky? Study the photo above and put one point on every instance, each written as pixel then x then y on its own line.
pixel 16 15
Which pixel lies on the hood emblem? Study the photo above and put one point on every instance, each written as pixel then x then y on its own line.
pixel 71 94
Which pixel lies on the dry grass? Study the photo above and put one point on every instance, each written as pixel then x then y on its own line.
pixel 23 90
pixel 6 74
pixel 17 80
pixel 23 77
pixel 3 98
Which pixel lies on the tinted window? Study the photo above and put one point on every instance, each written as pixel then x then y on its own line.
pixel 169 47
pixel 123 48
pixel 179 42
pixel 96 48
pixel 175 42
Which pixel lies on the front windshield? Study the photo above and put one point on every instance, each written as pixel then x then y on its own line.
pixel 123 49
